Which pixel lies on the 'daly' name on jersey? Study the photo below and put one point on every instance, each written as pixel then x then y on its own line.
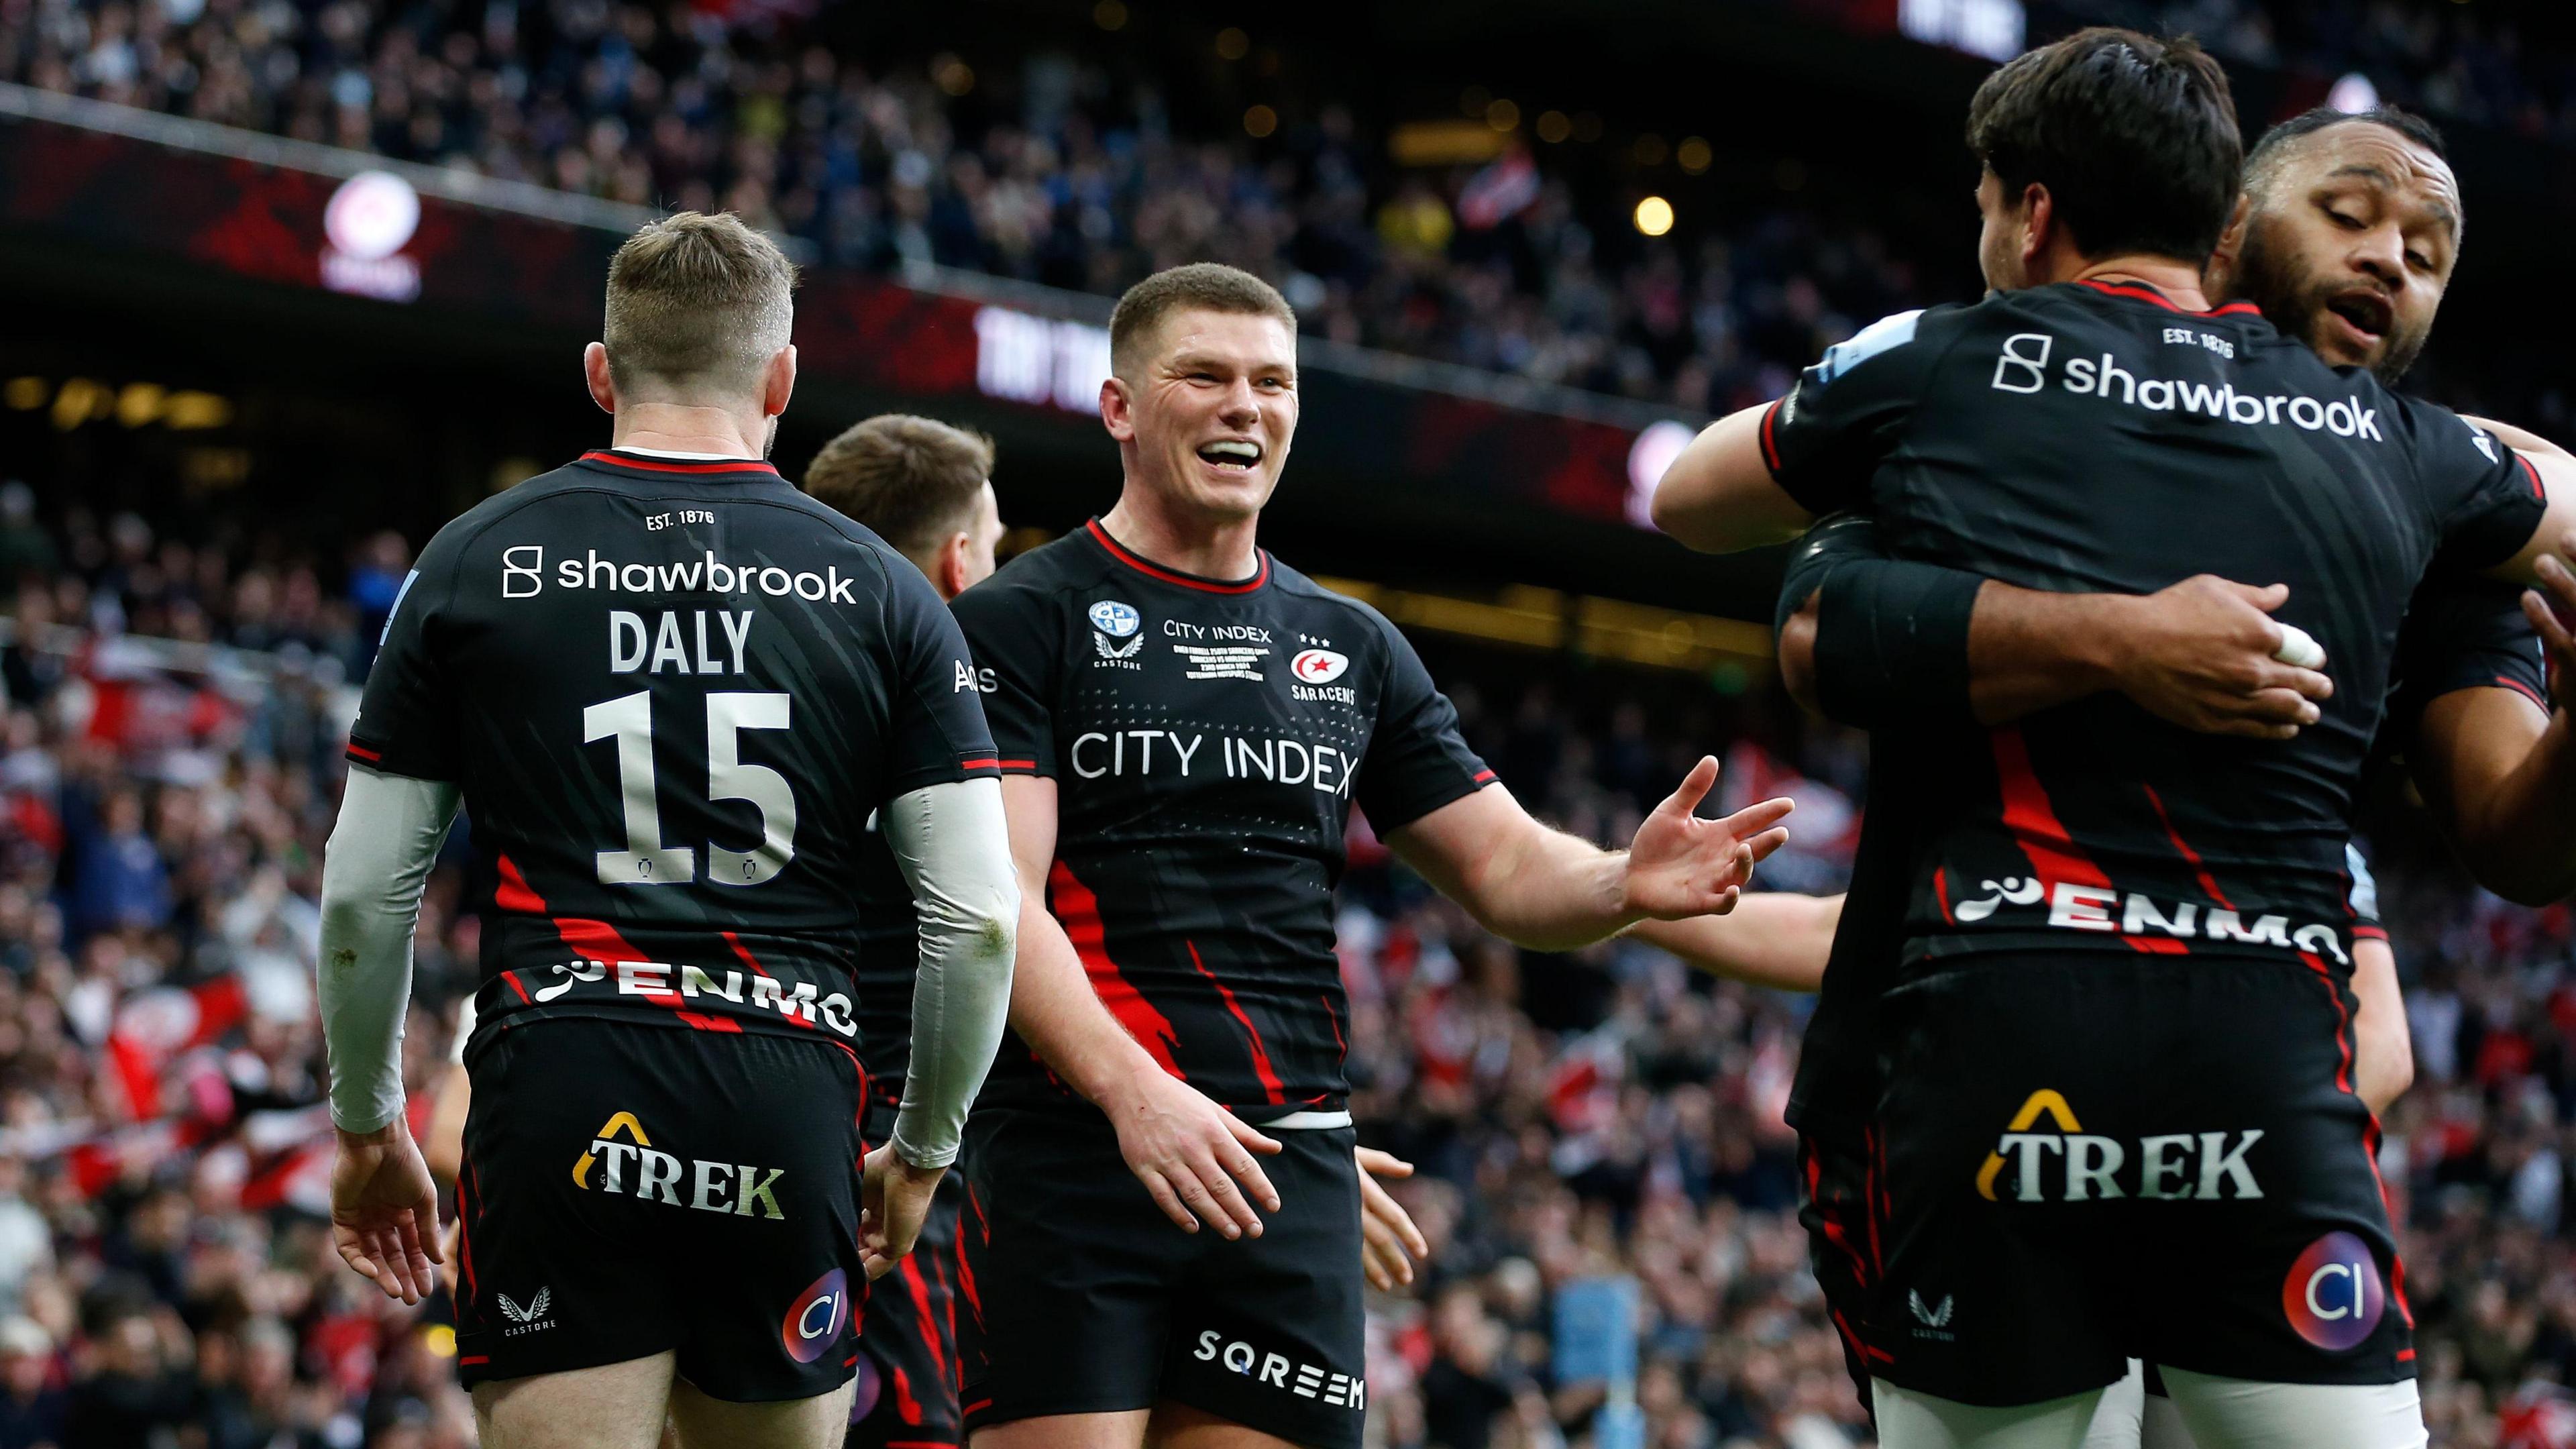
pixel 672 693
pixel 1207 739
pixel 2091 437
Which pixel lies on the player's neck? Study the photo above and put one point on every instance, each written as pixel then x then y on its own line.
pixel 2180 281
pixel 1177 539
pixel 681 428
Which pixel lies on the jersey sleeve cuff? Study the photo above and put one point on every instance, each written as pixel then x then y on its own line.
pixel 1421 805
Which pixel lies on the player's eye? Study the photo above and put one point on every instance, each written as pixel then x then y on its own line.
pixel 2345 220
pixel 2419 261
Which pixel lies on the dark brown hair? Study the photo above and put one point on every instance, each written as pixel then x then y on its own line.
pixel 1208 286
pixel 696 303
pixel 2135 139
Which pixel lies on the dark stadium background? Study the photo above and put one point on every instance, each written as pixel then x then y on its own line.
pixel 169 350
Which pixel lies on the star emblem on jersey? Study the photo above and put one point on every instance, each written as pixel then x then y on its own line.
pixel 1115 619
pixel 1318 666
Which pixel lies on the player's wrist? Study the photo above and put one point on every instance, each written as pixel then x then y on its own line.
pixel 389 1134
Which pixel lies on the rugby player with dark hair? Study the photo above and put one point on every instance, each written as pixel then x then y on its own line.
pixel 1185 726
pixel 2099 900
pixel 681 697
pixel 2347 237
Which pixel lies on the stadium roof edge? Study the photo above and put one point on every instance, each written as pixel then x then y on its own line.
pixel 527 199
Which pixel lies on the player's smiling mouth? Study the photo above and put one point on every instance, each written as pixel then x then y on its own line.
pixel 1231 455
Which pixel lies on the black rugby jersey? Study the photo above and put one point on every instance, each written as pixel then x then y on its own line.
pixel 2091 437
pixel 1207 740
pixel 673 694
pixel 2460 633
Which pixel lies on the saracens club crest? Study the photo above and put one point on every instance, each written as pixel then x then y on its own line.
pixel 1116 620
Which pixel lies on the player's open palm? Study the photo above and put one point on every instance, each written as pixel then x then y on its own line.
pixel 1192 1155
pixel 384 1211
pixel 894 1200
pixel 2204 654
pixel 1681 865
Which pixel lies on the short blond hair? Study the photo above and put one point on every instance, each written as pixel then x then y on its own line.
pixel 1206 286
pixel 697 304
pixel 914 480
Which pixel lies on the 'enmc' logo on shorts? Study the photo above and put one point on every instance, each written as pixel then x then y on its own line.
pixel 2332 1295
pixel 2072 1165
pixel 814 1321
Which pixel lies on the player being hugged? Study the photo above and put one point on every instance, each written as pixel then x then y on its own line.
pixel 1185 724
pixel 676 692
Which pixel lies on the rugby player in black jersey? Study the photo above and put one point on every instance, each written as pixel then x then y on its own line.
pixel 2350 211
pixel 675 691
pixel 2106 901
pixel 926 489
pixel 1186 725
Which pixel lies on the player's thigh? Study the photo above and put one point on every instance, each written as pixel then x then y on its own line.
pixel 1178 1426
pixel 1908 1419
pixel 1068 1275
pixel 1122 1430
pixel 610 1406
pixel 2224 1413
pixel 1270 1334
pixel 906 1392
pixel 2116 1418
pixel 700 1422
pixel 766 1212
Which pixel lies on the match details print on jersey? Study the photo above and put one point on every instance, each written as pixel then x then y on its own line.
pixel 691 688
pixel 1208 739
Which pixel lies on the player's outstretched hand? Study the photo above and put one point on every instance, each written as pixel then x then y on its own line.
pixel 2202 654
pixel 1681 865
pixel 894 1198
pixel 2552 610
pixel 384 1210
pixel 1389 1242
pixel 1194 1156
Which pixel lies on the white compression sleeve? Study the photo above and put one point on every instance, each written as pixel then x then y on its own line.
pixel 387 838
pixel 955 852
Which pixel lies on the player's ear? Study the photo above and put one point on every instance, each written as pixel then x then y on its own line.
pixel 1117 408
pixel 951 577
pixel 778 381
pixel 594 373
pixel 2231 242
pixel 2038 225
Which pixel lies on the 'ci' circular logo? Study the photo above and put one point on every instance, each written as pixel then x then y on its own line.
pixel 2333 1295
pixel 1115 619
pixel 815 1320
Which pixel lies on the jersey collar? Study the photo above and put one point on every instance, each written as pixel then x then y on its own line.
pixel 1152 570
pixel 2144 293
pixel 644 463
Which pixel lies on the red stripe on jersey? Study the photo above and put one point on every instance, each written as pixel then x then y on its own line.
pixel 1941 893
pixel 2527 467
pixel 2343 1036
pixel 1270 1083
pixel 1333 1019
pixel 2033 821
pixel 471 1359
pixel 1079 911
pixel 2208 883
pixel 465 1232
pixel 513 978
pixel 2369 933
pixel 1484 777
pixel 513 892
pixel 1259 577
pixel 1019 764
pixel 2145 293
pixel 1770 448
pixel 905 1405
pixel 673 465
pixel 917 1288
pixel 744 953
pixel 361 752
pixel 987 763
pixel 2525 690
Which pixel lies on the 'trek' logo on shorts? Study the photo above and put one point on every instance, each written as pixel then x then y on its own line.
pixel 2332 1295
pixel 715 1187
pixel 815 1320
pixel 2071 1165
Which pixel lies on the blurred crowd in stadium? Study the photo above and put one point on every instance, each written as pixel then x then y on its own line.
pixel 163 1148
pixel 1065 171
